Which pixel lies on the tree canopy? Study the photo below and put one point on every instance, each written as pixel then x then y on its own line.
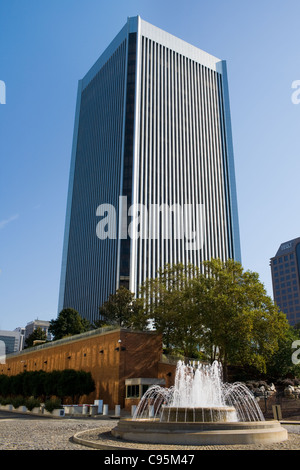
pixel 37 334
pixel 169 304
pixel 220 312
pixel 124 310
pixel 68 323
pixel 241 323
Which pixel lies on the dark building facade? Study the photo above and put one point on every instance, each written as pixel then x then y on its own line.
pixel 285 268
pixel 153 133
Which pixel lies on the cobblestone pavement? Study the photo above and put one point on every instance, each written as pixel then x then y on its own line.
pixel 21 432
pixel 24 432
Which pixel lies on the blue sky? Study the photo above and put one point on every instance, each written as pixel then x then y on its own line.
pixel 47 46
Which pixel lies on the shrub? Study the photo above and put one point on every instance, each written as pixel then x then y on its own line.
pixel 31 403
pixel 52 404
pixel 59 383
pixel 5 401
pixel 18 401
pixel 4 385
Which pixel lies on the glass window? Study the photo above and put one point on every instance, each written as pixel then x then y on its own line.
pixel 133 391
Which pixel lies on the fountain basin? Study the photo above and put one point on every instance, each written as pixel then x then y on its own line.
pixel 199 410
pixel 193 433
pixel 183 414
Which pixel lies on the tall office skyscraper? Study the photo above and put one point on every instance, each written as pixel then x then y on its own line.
pixel 285 268
pixel 152 142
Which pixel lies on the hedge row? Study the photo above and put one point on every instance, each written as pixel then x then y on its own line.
pixel 59 383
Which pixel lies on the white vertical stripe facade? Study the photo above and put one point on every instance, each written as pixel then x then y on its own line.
pixel 180 156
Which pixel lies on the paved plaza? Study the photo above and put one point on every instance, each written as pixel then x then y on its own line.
pixel 24 432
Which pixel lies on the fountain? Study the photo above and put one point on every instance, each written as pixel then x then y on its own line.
pixel 199 409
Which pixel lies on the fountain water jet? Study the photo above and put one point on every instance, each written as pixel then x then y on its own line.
pixel 199 395
pixel 199 409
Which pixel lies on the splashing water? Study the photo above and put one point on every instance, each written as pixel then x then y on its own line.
pixel 199 386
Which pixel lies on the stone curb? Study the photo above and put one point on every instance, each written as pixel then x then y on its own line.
pixel 77 439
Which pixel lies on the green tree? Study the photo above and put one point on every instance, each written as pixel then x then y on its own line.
pixel 171 307
pixel 68 323
pixel 240 322
pixel 218 312
pixel 124 310
pixel 280 365
pixel 37 334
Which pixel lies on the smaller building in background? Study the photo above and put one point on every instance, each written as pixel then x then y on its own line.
pixel 285 268
pixel 21 330
pixel 123 363
pixel 34 325
pixel 11 341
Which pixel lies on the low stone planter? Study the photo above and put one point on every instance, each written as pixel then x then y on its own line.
pixel 36 410
pixel 7 407
pixel 22 409
pixel 58 412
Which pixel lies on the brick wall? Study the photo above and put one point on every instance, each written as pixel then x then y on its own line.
pixel 111 357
